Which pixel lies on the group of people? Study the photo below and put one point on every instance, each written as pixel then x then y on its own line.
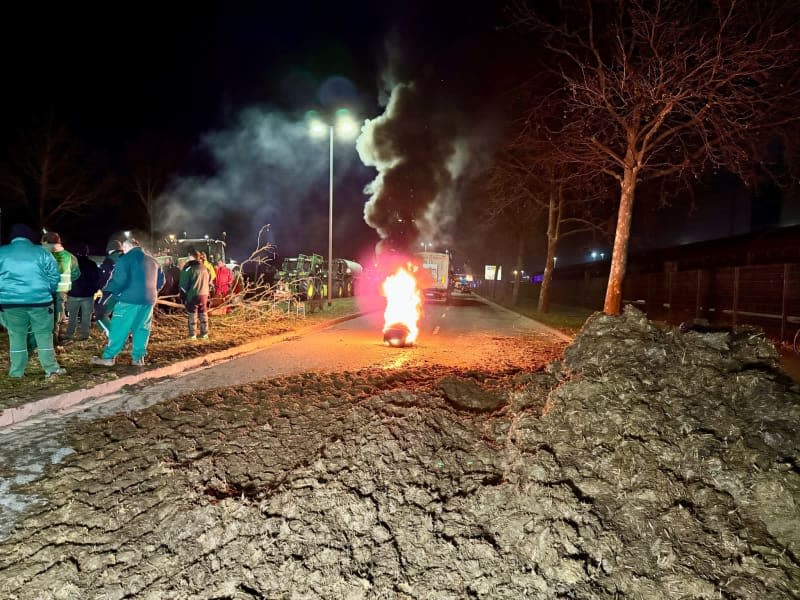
pixel 42 285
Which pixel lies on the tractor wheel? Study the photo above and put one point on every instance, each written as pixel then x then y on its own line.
pixel 339 290
pixel 349 290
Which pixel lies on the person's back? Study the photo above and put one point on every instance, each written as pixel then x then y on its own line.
pixel 22 264
pixel 89 280
pixel 137 278
pixel 195 280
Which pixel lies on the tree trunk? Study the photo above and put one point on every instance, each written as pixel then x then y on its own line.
pixel 619 256
pixel 518 268
pixel 553 221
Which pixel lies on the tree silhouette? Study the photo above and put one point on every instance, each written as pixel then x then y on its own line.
pixel 669 89
pixel 49 174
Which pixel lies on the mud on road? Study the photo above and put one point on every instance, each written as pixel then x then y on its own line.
pixel 649 463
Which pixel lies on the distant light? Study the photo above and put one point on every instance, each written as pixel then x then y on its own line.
pixel 127 234
pixel 346 126
pixel 317 128
pixel 205 236
pixel 594 254
pixel 171 237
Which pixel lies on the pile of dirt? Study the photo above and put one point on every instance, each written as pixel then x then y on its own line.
pixel 685 445
pixel 650 463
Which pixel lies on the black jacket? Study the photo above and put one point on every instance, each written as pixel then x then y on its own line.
pixel 89 282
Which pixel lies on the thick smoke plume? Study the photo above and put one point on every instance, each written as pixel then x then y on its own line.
pixel 420 156
pixel 265 169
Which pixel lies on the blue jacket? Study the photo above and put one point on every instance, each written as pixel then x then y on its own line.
pixel 136 279
pixel 28 274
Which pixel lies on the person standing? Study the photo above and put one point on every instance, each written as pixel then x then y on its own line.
pixel 135 283
pixel 28 279
pixel 80 299
pixel 195 281
pixel 224 279
pixel 172 276
pixel 105 303
pixel 69 271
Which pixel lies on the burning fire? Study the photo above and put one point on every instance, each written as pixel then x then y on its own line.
pixel 403 308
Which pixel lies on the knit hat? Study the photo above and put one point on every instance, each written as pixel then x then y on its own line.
pixel 20 230
pixel 51 237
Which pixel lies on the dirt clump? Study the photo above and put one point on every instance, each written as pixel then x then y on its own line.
pixel 649 463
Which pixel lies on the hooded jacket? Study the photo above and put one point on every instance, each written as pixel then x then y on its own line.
pixel 28 274
pixel 137 277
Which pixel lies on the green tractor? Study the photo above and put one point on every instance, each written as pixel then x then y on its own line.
pixel 305 276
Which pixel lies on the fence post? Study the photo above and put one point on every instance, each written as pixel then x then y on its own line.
pixel 735 294
pixel 670 279
pixel 784 299
pixel 697 294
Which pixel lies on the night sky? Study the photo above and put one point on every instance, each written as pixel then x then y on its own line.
pixel 228 87
pixel 199 78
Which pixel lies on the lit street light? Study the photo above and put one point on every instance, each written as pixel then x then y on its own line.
pixel 344 127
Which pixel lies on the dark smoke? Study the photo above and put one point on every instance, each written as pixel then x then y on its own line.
pixel 420 155
pixel 266 169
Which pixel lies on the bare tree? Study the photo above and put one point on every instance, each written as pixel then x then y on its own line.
pixel 49 174
pixel 531 189
pixel 670 88
pixel 153 162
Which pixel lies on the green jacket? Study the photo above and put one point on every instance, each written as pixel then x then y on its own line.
pixel 194 280
pixel 68 268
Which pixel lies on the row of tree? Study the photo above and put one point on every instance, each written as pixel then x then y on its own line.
pixel 637 92
pixel 49 177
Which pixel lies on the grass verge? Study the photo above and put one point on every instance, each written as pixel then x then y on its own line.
pixel 168 345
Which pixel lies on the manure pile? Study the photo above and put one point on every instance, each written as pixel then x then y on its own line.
pixel 650 463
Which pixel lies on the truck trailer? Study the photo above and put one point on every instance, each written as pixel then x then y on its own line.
pixel 438 280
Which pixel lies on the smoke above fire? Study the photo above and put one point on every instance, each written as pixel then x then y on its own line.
pixel 264 168
pixel 420 154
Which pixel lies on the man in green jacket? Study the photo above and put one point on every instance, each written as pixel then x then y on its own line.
pixel 28 279
pixel 68 270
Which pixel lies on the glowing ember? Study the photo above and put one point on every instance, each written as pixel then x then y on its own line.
pixel 403 308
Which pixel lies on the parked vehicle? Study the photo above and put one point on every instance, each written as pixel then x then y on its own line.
pixel 438 284
pixel 306 276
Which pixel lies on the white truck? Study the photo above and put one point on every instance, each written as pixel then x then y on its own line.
pixel 440 282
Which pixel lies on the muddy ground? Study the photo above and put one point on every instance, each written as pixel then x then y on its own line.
pixel 650 463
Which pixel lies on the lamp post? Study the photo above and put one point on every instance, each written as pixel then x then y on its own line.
pixel 344 127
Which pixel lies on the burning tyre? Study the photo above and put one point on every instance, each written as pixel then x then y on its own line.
pixel 396 335
pixel 403 309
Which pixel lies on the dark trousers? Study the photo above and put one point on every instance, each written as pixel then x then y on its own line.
pixel 197 310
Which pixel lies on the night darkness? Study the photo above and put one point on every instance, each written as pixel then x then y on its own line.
pixel 225 89
pixel 217 96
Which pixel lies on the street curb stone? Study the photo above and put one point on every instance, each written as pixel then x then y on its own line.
pixel 555 332
pixel 18 414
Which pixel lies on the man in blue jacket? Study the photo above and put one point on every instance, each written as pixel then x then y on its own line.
pixel 135 283
pixel 29 277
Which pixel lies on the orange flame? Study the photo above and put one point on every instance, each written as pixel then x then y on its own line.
pixel 403 303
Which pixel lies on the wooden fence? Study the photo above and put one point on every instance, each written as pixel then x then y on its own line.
pixel 767 296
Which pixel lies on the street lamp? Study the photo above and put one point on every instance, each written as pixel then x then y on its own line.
pixel 345 127
pixel 555 258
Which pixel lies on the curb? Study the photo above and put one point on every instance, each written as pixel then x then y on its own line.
pixel 18 414
pixel 552 331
